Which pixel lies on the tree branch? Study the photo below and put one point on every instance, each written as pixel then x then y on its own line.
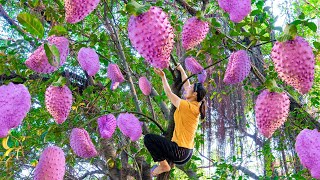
pixel 118 112
pixel 247 172
pixel 91 173
pixel 4 14
pixel 187 7
pixel 204 5
pixel 80 81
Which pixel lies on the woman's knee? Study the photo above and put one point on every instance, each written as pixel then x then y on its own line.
pixel 149 139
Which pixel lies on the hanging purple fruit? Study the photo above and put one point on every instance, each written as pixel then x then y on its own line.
pixel 15 103
pixel 151 34
pixel 58 102
pixel 52 164
pixel 115 75
pixel 145 86
pixel 237 9
pixel 194 32
pixel 107 125
pixel 238 67
pixel 294 61
pixel 192 65
pixel 77 10
pixel 81 143
pixel 308 149
pixel 130 126
pixel 89 60
pixel 38 61
pixel 202 76
pixel 271 111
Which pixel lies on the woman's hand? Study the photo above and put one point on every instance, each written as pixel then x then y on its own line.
pixel 159 72
pixel 179 67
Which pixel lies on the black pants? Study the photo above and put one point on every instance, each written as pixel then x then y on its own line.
pixel 162 149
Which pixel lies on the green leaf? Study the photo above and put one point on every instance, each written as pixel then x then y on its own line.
pixel 291 30
pixel 316 45
pixel 255 12
pixel 3 2
pixel 284 38
pixel 31 24
pixel 50 55
pixel 289 33
pixel 272 86
pixel 296 22
pixel 53 54
pixel 17 80
pixel 260 4
pixel 58 30
pixel 34 3
pixel 61 82
pixel 301 16
pixel 136 9
pixel 312 26
pixel 200 16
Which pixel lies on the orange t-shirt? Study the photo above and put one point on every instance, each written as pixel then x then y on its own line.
pixel 186 119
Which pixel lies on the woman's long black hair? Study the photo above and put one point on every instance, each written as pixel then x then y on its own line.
pixel 201 93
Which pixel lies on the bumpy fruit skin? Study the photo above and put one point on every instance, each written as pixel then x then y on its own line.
pixel 151 34
pixel 308 149
pixel 58 102
pixel 193 33
pixel 202 76
pixel 81 143
pixel 238 67
pixel 107 125
pixel 145 86
pixel 15 103
pixel 294 61
pixel 51 164
pixel 77 10
pixel 130 126
pixel 89 60
pixel 192 65
pixel 271 111
pixel 237 9
pixel 38 60
pixel 115 75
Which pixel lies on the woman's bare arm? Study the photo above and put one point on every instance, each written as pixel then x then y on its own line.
pixel 183 76
pixel 175 100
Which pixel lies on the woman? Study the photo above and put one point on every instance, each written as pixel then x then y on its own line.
pixel 186 117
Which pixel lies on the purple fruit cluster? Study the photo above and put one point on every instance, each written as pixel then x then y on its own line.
pixel 15 103
pixel 193 33
pixel 130 126
pixel 145 86
pixel 271 110
pixel 52 164
pixel 238 67
pixel 89 60
pixel 115 75
pixel 308 149
pixel 294 61
pixel 192 65
pixel 151 34
pixel 81 143
pixel 77 10
pixel 107 125
pixel 38 60
pixel 58 102
pixel 237 9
